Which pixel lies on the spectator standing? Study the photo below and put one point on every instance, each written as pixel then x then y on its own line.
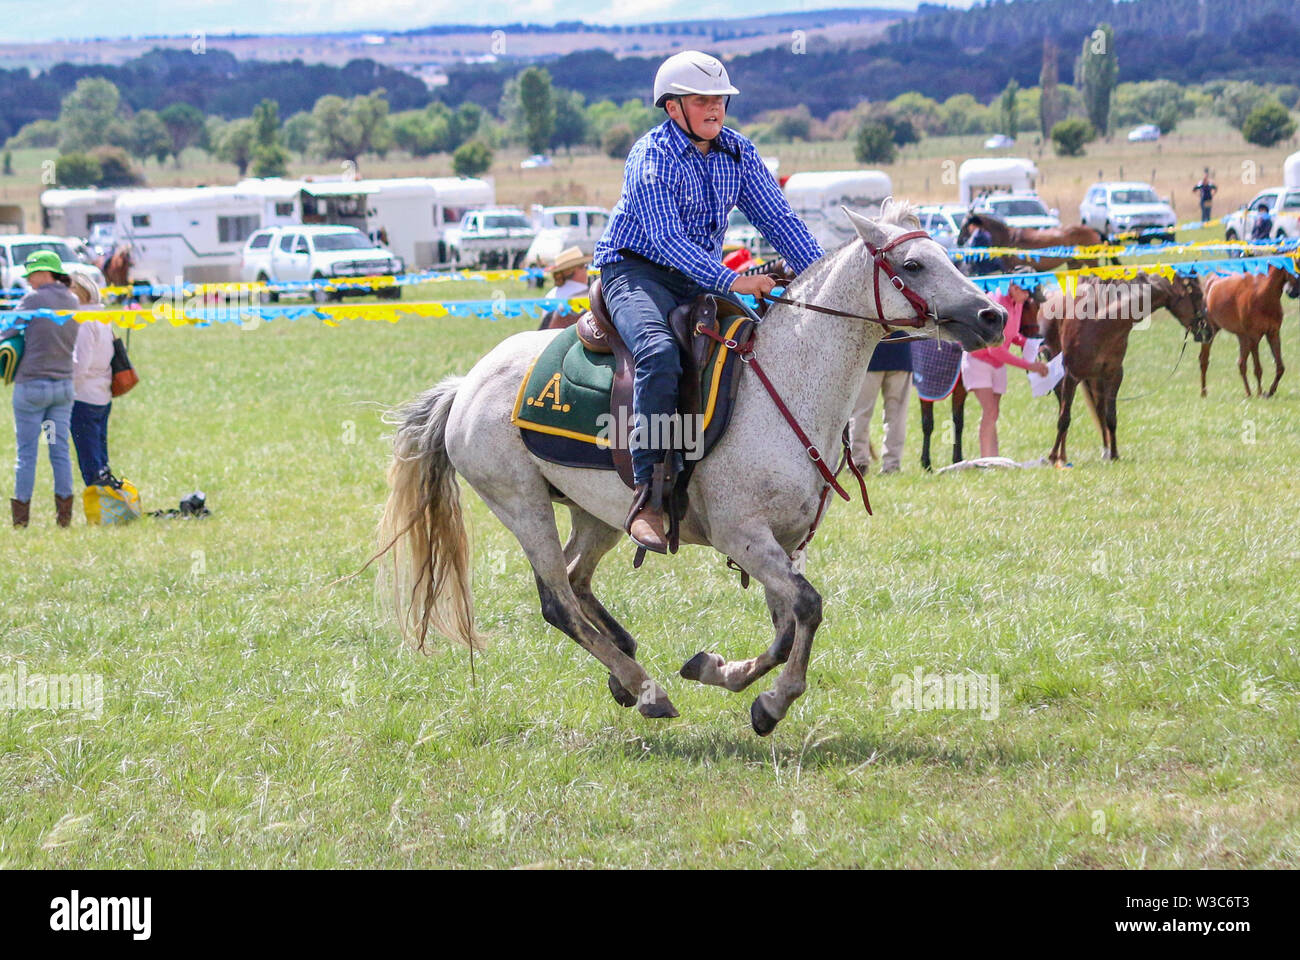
pixel 92 386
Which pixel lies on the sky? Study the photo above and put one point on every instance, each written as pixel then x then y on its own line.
pixel 70 19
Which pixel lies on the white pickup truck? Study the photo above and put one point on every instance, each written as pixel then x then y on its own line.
pixel 1283 203
pixel 316 252
pixel 496 238
pixel 15 248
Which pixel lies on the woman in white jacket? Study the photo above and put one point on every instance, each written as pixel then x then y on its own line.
pixel 92 385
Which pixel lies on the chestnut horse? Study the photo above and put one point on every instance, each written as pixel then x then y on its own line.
pixel 1091 328
pixel 116 267
pixel 1028 238
pixel 1249 305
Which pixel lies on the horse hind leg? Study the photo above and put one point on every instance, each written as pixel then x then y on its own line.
pixel 529 515
pixel 1242 350
pixel 1259 368
pixel 958 419
pixel 736 675
pixel 589 540
pixel 927 428
pixel 1065 396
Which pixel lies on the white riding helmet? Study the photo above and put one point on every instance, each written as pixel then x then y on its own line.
pixel 691 72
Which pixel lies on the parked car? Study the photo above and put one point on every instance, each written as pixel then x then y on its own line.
pixel 999 141
pixel 15 248
pixel 314 252
pixel 559 228
pixel 497 237
pixel 535 161
pixel 1143 133
pixel 1118 208
pixel 943 222
pixel 1283 203
pixel 1018 210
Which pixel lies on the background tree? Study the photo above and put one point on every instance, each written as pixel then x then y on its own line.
pixel 299 132
pixel 38 133
pixel 471 158
pixel 149 137
pixel 537 105
pixel 874 143
pixel 570 120
pixel 1007 120
pixel 114 167
pixel 269 157
pixel 617 141
pixel 347 129
pixel 1070 134
pixel 88 116
pixel 235 144
pixel 185 126
pixel 1050 110
pixel 1238 99
pixel 76 169
pixel 1095 73
pixel 1269 123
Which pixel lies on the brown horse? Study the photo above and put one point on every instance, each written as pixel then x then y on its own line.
pixel 1249 305
pixel 1091 328
pixel 1027 238
pixel 116 267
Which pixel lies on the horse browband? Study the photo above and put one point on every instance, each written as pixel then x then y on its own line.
pixel 922 309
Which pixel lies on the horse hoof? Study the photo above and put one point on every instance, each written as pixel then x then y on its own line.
pixel 621 696
pixel 661 709
pixel 762 721
pixel 693 668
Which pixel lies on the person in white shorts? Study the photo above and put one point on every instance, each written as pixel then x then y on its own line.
pixel 984 372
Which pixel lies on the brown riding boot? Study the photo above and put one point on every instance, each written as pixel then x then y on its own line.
pixel 63 510
pixel 646 522
pixel 22 511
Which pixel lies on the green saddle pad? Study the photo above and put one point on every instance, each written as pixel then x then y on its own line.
pixel 566 390
pixel 11 351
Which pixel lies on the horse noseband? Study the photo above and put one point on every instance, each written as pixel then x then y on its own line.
pixel 922 309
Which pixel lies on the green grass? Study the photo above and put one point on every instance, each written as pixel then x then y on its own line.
pixel 1140 617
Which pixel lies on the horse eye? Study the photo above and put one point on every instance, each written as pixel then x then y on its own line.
pixel 912 266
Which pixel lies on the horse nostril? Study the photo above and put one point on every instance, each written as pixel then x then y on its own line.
pixel 992 315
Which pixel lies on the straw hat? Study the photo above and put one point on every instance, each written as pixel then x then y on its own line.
pixel 568 260
pixel 85 283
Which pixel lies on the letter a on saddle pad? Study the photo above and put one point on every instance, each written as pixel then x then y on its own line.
pixel 564 400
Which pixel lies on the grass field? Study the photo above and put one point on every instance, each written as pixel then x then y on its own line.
pixel 1139 617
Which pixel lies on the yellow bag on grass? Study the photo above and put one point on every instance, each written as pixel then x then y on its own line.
pixel 115 502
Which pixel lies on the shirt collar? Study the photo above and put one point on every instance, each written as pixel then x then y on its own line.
pixel 680 141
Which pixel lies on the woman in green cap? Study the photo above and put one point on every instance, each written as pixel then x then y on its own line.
pixel 43 387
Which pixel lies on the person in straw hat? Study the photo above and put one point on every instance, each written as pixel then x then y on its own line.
pixel 570 274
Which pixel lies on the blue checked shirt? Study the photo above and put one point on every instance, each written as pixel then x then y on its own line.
pixel 675 203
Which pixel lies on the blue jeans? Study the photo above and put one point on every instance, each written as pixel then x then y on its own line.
pixel 90 436
pixel 37 403
pixel 640 295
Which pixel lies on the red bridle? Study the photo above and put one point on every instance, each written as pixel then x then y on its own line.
pixel 921 308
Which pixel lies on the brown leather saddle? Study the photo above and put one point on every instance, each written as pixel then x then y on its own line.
pixel 598 334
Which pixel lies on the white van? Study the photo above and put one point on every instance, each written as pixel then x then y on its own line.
pixel 981 176
pixel 196 234
pixel 816 199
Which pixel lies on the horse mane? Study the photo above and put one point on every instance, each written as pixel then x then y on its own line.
pixel 899 213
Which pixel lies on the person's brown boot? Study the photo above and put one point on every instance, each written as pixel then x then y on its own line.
pixel 63 510
pixel 22 511
pixel 646 525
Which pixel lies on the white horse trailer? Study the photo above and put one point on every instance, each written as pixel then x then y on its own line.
pixel 281 199
pixel 981 176
pixel 1291 172
pixel 196 235
pixel 816 199
pixel 71 213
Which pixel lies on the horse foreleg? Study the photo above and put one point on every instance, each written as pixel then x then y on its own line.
pixel 958 419
pixel 1242 350
pixel 1065 394
pixel 758 553
pixel 927 428
pixel 1205 361
pixel 1275 345
pixel 589 541
pixel 736 675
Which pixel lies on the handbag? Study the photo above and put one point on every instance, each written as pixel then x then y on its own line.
pixel 124 375
pixel 113 501
pixel 11 351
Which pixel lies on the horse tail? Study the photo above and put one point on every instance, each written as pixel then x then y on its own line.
pixel 423 525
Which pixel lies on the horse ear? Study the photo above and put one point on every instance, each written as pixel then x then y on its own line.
pixel 868 230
